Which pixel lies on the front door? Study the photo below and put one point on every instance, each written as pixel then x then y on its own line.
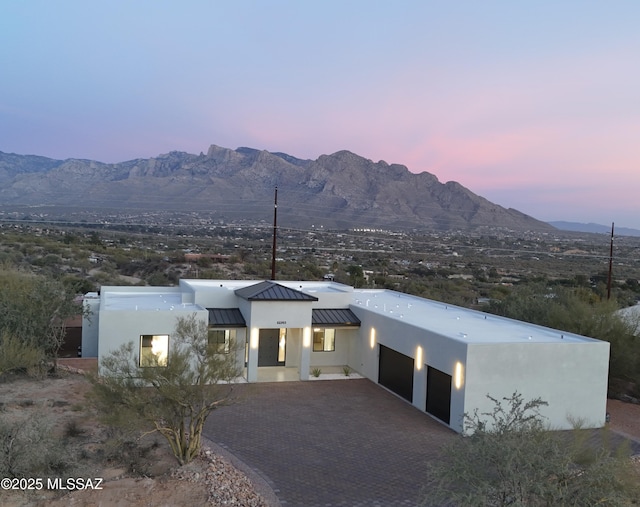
pixel 268 347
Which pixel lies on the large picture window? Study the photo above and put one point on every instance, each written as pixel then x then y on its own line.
pixel 220 340
pixel 324 340
pixel 154 349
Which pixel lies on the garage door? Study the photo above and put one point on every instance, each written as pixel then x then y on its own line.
pixel 438 394
pixel 396 372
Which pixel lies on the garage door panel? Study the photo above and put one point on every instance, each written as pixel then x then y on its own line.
pixel 438 394
pixel 395 372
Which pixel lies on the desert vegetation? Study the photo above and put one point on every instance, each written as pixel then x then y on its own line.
pixel 528 276
pixel 511 458
pixel 172 399
pixel 557 280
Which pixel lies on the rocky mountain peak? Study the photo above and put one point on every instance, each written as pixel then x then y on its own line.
pixel 341 190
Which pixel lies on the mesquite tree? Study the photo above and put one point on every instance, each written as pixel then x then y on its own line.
pixel 174 396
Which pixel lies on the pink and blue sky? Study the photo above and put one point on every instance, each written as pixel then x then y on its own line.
pixel 533 105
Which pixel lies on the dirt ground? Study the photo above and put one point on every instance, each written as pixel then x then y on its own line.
pixel 149 475
pixel 144 476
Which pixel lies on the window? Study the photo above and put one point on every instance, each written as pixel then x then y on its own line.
pixel 324 340
pixel 220 340
pixel 154 349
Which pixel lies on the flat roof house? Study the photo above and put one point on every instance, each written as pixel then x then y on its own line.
pixel 441 358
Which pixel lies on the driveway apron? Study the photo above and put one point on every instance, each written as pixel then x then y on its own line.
pixel 330 443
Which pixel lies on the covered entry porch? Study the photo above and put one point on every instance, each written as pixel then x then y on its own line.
pixel 282 354
pixel 285 329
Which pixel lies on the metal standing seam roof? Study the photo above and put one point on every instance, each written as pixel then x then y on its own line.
pixel 271 291
pixel 334 317
pixel 226 317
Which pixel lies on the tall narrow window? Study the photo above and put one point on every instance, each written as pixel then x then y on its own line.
pixel 220 340
pixel 324 340
pixel 154 349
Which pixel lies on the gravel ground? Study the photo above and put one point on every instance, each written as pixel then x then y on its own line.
pixel 625 418
pixel 224 483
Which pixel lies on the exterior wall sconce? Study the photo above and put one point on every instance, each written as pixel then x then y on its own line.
pixel 458 376
pixel 419 358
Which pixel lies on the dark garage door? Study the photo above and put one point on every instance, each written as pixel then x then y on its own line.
pixel 396 372
pixel 438 394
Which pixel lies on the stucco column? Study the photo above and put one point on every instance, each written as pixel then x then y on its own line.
pixel 305 353
pixel 252 360
pixel 420 379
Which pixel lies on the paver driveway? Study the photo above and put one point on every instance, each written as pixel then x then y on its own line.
pixel 330 443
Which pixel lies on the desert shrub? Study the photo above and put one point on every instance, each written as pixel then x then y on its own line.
pixel 28 448
pixel 510 457
pixel 125 447
pixel 33 310
pixel 73 429
pixel 15 355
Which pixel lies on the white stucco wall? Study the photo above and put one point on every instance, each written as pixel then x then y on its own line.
pixel 496 356
pixel 293 348
pixel 277 314
pixel 437 351
pixel 117 327
pixel 570 377
pixel 341 356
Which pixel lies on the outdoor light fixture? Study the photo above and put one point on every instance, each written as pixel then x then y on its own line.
pixel 458 375
pixel 419 358
pixel 372 338
pixel 255 338
pixel 281 345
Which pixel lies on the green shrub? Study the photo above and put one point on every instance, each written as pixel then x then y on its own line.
pixel 16 355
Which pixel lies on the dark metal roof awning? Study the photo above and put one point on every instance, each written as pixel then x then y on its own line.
pixel 334 317
pixel 271 291
pixel 226 317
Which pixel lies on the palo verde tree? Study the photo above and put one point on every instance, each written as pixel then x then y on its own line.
pixel 172 395
pixel 510 457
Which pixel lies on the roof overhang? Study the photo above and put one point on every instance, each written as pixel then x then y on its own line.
pixel 226 318
pixel 271 291
pixel 334 317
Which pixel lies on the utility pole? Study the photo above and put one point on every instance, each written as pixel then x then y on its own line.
pixel 610 265
pixel 275 228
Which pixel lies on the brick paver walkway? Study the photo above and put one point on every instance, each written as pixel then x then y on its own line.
pixel 330 443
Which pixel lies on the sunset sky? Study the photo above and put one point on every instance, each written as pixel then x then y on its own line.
pixel 533 105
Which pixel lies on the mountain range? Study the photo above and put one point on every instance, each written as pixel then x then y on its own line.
pixel 594 228
pixel 337 191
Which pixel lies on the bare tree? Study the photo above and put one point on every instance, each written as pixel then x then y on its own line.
pixel 173 396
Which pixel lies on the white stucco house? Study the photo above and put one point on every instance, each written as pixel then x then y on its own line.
pixel 441 358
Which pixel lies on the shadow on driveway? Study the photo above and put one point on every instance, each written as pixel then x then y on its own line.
pixel 330 443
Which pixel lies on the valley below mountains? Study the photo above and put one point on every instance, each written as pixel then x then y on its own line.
pixel 338 191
